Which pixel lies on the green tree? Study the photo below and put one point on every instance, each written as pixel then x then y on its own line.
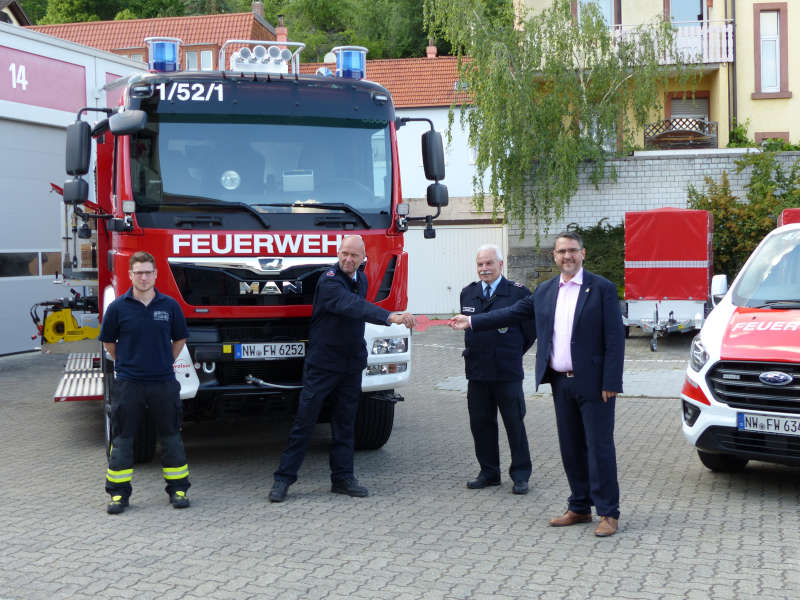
pixel 35 9
pixel 78 11
pixel 550 94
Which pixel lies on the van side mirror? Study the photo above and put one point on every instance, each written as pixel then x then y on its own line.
pixel 79 142
pixel 76 191
pixel 719 287
pixel 127 122
pixel 433 155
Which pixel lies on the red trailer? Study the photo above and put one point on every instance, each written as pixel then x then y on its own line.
pixel 668 263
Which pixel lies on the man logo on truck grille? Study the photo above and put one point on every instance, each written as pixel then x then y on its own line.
pixel 775 378
pixel 270 287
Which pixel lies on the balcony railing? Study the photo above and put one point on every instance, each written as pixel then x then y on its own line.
pixel 681 132
pixel 697 42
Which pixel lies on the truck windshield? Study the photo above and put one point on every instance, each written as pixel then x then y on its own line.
pixel 272 167
pixel 772 277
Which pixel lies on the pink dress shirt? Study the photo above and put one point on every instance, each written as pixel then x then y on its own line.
pixel 568 291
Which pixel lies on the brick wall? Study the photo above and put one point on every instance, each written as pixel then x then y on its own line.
pixel 644 181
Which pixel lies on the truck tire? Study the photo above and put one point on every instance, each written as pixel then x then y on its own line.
pixel 722 463
pixel 144 446
pixel 374 420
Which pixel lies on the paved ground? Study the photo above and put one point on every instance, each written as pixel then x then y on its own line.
pixel 686 533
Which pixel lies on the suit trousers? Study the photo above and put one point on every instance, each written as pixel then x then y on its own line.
pixel 484 398
pixel 586 438
pixel 343 390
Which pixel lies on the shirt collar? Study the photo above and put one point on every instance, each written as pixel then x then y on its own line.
pixel 577 279
pixel 492 286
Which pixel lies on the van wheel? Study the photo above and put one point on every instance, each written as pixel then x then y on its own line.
pixel 722 463
pixel 374 420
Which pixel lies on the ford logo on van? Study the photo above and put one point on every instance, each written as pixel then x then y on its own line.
pixel 775 378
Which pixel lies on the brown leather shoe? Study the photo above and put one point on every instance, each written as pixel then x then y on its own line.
pixel 570 518
pixel 606 527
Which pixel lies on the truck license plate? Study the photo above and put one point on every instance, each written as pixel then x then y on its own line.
pixel 768 424
pixel 270 351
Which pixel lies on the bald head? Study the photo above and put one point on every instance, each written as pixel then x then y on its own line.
pixel 351 253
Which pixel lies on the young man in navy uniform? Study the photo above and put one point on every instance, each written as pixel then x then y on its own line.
pixel 493 362
pixel 144 331
pixel 337 354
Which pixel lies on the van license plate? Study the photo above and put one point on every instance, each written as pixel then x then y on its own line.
pixel 270 351
pixel 768 424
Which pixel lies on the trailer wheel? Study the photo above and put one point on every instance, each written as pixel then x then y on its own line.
pixel 722 463
pixel 374 420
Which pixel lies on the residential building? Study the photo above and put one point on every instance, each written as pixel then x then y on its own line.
pixel 742 49
pixel 11 12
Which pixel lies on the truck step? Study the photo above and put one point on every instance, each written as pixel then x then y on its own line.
pixel 82 379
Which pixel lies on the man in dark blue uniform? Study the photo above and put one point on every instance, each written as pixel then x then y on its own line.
pixel 144 331
pixel 337 354
pixel 493 362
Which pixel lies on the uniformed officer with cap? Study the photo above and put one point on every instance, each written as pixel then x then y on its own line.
pixel 337 354
pixel 493 362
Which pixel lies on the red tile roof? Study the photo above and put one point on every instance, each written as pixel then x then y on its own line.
pixel 119 35
pixel 413 82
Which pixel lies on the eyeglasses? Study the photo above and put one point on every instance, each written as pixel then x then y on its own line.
pixel 142 273
pixel 565 251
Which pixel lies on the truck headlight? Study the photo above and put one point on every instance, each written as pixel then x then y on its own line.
pixel 698 356
pixel 395 345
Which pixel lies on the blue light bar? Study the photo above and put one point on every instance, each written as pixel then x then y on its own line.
pixel 351 62
pixel 162 54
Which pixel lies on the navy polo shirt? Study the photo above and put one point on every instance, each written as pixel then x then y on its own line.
pixel 143 335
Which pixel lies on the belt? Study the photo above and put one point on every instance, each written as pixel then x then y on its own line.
pixel 567 374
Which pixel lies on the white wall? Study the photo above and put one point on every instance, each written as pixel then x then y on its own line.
pixel 459 161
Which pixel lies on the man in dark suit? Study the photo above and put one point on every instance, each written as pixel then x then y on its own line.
pixel 493 364
pixel 337 354
pixel 580 352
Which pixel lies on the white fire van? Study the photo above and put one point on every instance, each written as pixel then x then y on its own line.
pixel 741 396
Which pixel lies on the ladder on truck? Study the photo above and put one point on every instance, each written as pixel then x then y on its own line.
pixel 82 379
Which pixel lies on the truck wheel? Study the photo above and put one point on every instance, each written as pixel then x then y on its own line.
pixel 722 463
pixel 108 382
pixel 374 420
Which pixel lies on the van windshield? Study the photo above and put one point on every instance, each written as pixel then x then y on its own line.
pixel 772 277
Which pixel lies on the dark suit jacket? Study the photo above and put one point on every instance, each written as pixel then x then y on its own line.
pixel 598 336
pixel 496 354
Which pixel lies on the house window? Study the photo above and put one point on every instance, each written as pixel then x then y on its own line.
pixel 606 8
pixel 686 11
pixel 139 57
pixel 207 60
pixel 771 51
pixel 191 60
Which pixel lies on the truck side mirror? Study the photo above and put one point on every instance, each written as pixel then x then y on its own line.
pixel 78 148
pixel 433 155
pixel 127 122
pixel 719 287
pixel 76 191
pixel 437 195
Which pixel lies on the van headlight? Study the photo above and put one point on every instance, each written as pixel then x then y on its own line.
pixel 698 356
pixel 393 345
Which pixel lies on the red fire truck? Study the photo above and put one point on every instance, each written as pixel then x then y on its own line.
pixel 242 184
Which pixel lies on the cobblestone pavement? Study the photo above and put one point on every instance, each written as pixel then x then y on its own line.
pixel 686 533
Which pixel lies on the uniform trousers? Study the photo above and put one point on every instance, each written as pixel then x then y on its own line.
pixel 484 398
pixel 131 403
pixel 586 438
pixel 343 391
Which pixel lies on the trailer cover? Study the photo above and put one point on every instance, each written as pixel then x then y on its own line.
pixel 668 254
pixel 789 215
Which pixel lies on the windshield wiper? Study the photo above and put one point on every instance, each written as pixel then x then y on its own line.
pixel 324 206
pixel 210 203
pixel 788 303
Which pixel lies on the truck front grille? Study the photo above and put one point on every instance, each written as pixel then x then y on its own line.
pixel 737 384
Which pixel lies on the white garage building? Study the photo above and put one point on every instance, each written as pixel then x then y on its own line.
pixel 44 81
